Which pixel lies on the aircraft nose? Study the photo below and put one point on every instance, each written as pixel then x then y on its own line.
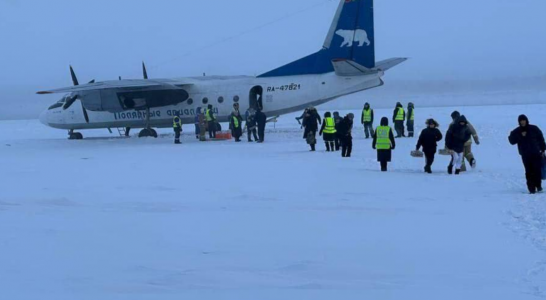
pixel 43 118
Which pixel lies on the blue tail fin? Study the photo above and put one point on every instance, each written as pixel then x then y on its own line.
pixel 351 37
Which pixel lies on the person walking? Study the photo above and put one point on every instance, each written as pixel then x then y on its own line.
pixel 398 118
pixel 211 121
pixel 235 124
pixel 261 120
pixel 346 136
pixel 310 123
pixel 429 139
pixel 338 119
pixel 177 127
pixel 202 126
pixel 250 117
pixel 411 120
pixel 456 137
pixel 328 132
pixel 468 154
pixel 383 141
pixel 367 120
pixel 531 147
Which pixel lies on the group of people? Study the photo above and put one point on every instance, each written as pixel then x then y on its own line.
pixel 255 121
pixel 206 121
pixel 335 130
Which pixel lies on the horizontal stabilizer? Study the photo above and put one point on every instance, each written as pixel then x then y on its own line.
pixel 386 64
pixel 345 67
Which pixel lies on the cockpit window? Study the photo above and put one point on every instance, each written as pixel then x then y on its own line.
pixel 59 103
pixel 56 105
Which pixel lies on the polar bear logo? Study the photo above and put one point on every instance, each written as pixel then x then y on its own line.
pixel 350 36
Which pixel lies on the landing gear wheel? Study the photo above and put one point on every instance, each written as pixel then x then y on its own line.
pixel 147 132
pixel 75 136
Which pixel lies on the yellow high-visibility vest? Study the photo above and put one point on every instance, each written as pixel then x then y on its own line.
pixel 400 115
pixel 235 122
pixel 383 138
pixel 412 117
pixel 330 126
pixel 208 115
pixel 367 115
pixel 177 123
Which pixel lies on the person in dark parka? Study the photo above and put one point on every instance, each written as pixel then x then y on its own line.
pixel 345 135
pixel 311 123
pixel 531 146
pixel 383 141
pixel 429 139
pixel 337 119
pixel 251 125
pixel 456 137
pixel 261 120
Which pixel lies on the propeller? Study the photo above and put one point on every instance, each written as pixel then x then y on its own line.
pixel 71 99
pixel 144 72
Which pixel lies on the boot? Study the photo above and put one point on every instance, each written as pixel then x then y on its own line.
pixel 473 163
pixel 428 169
pixel 312 147
pixel 450 169
pixel 458 171
pixel 327 147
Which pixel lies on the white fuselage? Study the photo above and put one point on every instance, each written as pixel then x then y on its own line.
pixel 281 95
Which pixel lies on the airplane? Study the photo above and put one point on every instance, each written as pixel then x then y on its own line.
pixel 345 65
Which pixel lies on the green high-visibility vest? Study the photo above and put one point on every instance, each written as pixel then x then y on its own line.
pixel 235 122
pixel 412 117
pixel 400 115
pixel 330 126
pixel 177 123
pixel 367 115
pixel 383 138
pixel 208 115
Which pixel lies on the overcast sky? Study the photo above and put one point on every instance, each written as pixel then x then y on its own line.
pixel 102 39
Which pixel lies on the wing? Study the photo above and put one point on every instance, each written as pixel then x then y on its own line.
pixel 126 84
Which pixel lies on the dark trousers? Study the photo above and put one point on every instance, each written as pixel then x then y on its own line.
pixel 177 136
pixel 346 146
pixel 251 131
pixel 368 129
pixel 533 171
pixel 384 166
pixel 261 133
pixel 399 127
pixel 337 142
pixel 330 146
pixel 429 157
pixel 411 125
pixel 197 130
pixel 212 129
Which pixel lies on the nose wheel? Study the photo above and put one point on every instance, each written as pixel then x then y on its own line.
pixel 74 135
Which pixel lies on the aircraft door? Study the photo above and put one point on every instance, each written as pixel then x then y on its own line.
pixel 256 97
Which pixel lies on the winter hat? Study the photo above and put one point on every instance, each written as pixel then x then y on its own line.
pixel 523 118
pixel 336 114
pixel 410 104
pixel 351 116
pixel 327 114
pixel 455 115
pixel 384 121
pixel 462 119
pixel 432 122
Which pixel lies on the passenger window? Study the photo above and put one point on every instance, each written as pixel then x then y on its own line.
pixel 220 99
pixel 205 100
pixel 236 99
pixel 190 101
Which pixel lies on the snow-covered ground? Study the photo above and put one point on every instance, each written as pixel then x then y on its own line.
pixel 114 218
